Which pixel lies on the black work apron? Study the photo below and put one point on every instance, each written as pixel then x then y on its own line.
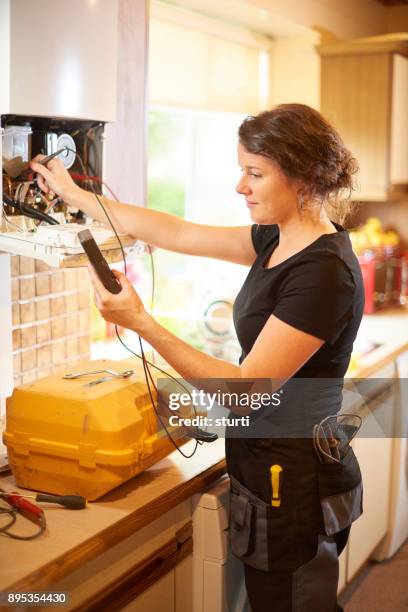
pixel 317 501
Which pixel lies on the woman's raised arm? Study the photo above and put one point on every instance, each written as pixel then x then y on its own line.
pixel 153 227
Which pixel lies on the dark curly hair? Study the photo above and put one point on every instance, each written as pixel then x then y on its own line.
pixel 307 149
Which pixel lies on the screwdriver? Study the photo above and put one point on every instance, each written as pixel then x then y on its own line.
pixel 43 161
pixel 276 481
pixel 72 502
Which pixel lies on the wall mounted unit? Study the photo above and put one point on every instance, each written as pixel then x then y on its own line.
pixel 59 59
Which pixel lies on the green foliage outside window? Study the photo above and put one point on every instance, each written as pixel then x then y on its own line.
pixel 167 196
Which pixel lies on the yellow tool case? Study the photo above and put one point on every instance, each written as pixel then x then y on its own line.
pixel 78 437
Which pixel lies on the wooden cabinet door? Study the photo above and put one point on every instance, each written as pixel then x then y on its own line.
pixel 160 596
pixel 399 121
pixel 356 98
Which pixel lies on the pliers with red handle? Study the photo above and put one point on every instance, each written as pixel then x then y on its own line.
pixel 19 505
pixel 25 507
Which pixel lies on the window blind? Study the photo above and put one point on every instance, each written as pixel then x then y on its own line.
pixel 198 69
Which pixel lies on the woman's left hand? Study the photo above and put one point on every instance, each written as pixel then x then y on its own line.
pixel 125 308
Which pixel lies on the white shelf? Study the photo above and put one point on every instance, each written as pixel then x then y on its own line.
pixel 59 247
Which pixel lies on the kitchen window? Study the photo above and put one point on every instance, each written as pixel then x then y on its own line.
pixel 204 76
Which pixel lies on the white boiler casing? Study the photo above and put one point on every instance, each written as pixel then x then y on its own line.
pixel 59 59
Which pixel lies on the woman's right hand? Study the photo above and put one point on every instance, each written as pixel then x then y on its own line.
pixel 54 177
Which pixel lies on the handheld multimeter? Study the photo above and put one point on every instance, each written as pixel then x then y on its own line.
pixel 105 274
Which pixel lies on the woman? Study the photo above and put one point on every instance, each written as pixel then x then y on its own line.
pixel 296 316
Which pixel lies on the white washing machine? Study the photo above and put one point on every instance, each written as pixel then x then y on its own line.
pixel 398 515
pixel 218 577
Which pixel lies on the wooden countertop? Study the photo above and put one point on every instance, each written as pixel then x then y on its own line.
pixel 76 536
pixel 378 358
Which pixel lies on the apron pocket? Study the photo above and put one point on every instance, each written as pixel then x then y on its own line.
pixel 340 492
pixel 240 524
pixel 338 477
pixel 260 535
pixel 340 510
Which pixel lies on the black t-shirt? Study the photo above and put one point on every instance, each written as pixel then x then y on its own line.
pixel 318 290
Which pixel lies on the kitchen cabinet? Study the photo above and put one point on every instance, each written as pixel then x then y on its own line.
pixel 160 596
pixel 142 572
pixel 364 93
pixel 373 448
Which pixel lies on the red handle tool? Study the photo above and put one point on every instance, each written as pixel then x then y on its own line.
pixel 25 507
